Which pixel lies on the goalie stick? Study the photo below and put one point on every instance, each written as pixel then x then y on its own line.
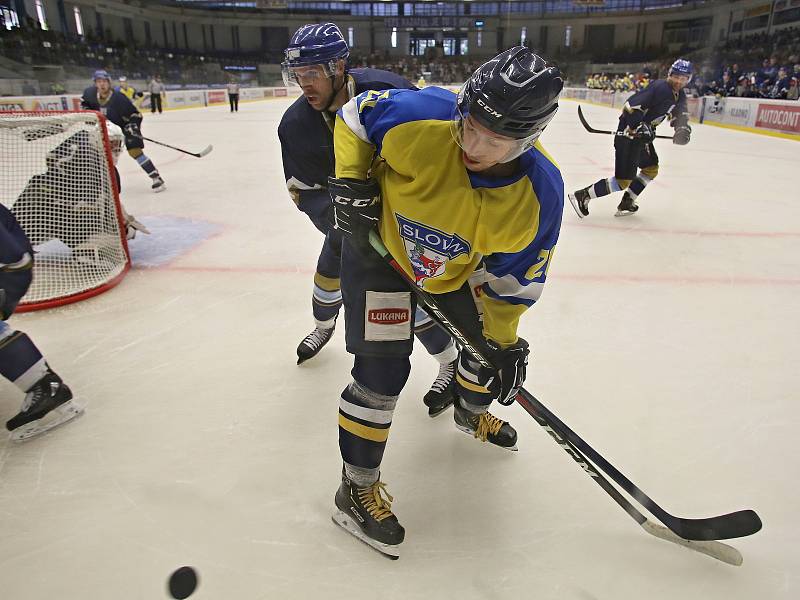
pixel 697 534
pixel 591 129
pixel 200 154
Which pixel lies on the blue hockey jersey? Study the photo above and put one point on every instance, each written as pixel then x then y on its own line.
pixel 306 137
pixel 117 108
pixel 653 104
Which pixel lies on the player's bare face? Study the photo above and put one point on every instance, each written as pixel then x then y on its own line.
pixel 481 148
pixel 316 85
pixel 103 87
pixel 678 82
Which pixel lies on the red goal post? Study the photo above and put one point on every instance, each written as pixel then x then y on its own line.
pixel 59 180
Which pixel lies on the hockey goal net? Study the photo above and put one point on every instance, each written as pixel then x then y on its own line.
pixel 58 179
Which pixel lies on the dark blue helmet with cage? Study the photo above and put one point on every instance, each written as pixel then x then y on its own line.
pixel 314 44
pixel 681 67
pixel 514 95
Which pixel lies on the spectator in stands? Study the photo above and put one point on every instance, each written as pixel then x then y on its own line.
pixel 794 87
pixel 767 73
pixel 156 89
pixel 735 72
pixel 743 89
pixel 781 86
pixel 727 87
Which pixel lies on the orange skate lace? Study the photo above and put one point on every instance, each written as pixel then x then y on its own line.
pixel 487 424
pixel 372 498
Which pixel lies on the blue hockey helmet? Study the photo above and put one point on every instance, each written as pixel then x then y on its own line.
pixel 314 44
pixel 100 74
pixel 514 95
pixel 681 67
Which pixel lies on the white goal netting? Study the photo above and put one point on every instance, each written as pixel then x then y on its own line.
pixel 57 177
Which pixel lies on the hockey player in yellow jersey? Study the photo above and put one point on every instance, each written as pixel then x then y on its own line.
pixel 469 204
pixel 129 91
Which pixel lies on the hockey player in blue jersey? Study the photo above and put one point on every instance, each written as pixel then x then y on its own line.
pixel 118 109
pixel 633 143
pixel 48 401
pixel 450 183
pixel 316 60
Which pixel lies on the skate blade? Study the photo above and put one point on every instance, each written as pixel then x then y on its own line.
pixel 58 416
pixel 574 201
pixel 160 189
pixel 624 213
pixel 346 523
pixel 471 433
pixel 435 411
pixel 302 359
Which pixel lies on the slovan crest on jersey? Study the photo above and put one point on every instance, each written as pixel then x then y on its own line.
pixel 429 249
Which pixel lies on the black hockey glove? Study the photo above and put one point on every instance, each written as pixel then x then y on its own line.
pixel 132 130
pixel 644 132
pixel 683 134
pixel 356 208
pixel 482 385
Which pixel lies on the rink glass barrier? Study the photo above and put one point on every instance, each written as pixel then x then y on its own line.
pixel 780 118
pixel 771 117
pixel 173 100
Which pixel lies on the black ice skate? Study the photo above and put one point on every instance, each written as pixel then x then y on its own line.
pixel 442 392
pixel 313 343
pixel 367 514
pixel 486 427
pixel 47 405
pixel 627 206
pixel 158 183
pixel 580 202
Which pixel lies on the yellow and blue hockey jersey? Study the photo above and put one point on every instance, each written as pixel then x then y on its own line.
pixel 439 219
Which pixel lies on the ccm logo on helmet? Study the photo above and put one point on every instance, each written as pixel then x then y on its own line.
pixel 488 108
pixel 388 316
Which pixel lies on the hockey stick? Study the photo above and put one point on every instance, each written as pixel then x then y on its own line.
pixel 714 549
pixel 737 524
pixel 200 154
pixel 591 129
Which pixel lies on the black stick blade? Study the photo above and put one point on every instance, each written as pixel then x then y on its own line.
pixel 586 125
pixel 724 527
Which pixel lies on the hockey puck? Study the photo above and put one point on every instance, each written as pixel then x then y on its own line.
pixel 182 583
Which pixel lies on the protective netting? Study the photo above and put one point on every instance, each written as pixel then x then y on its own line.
pixel 56 177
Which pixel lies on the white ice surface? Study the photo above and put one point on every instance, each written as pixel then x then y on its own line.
pixel 667 339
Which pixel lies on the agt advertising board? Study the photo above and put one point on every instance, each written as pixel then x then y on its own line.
pixel 71 102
